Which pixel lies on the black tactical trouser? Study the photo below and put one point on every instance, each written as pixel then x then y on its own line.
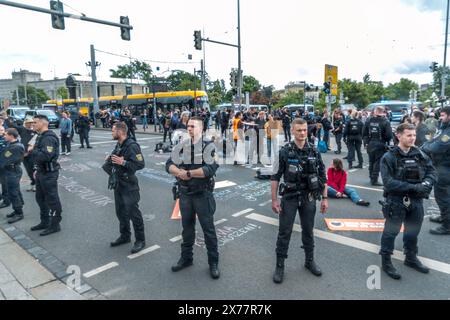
pixel 442 194
pixel 287 133
pixel 412 219
pixel 354 145
pixel 47 196
pixel 127 208
pixel 28 163
pixel 84 136
pixel 203 205
pixel 14 194
pixel 5 197
pixel 65 142
pixel 307 212
pixel 338 137
pixel 375 156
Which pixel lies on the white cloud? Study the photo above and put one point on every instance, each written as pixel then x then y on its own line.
pixel 282 41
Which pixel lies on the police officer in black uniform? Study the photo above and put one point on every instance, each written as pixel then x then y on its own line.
pixel 121 167
pixel 194 165
pixel 83 127
pixel 10 160
pixel 408 176
pixel 439 150
pixel 304 183
pixel 376 135
pixel 353 138
pixel 286 123
pixel 45 154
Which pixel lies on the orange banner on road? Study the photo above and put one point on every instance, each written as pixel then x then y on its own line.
pixel 176 214
pixel 366 225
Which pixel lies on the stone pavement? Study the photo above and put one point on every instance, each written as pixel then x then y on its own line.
pixel 23 278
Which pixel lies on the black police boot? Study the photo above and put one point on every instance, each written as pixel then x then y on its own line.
pixel 388 267
pixel 311 265
pixel 17 217
pixel 214 270
pixel 440 231
pixel 12 214
pixel 363 203
pixel 412 262
pixel 375 182
pixel 279 271
pixel 4 205
pixel 436 218
pixel 120 241
pixel 45 223
pixel 181 264
pixel 138 246
pixel 350 166
pixel 53 228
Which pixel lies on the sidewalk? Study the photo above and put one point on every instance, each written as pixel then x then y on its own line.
pixel 23 278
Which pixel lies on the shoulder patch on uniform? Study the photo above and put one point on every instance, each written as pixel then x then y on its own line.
pixel 49 148
pixel 8 154
pixel 445 138
pixel 139 157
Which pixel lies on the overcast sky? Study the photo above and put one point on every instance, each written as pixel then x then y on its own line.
pixel 282 41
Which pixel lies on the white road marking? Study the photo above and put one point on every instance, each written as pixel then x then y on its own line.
pixel 145 251
pixel 178 238
pixel 100 269
pixel 354 243
pixel 352 170
pixel 240 213
pixel 224 184
pixel 265 203
pixel 372 189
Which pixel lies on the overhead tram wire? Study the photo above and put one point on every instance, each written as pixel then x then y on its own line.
pixel 145 60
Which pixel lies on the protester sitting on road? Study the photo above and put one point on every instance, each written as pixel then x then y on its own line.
pixel 337 180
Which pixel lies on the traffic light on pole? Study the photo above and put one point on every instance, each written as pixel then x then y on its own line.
pixel 57 20
pixel 327 87
pixel 233 80
pixel 434 66
pixel 198 39
pixel 125 32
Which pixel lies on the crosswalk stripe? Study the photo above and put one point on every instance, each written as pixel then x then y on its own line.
pixel 100 269
pixel 145 251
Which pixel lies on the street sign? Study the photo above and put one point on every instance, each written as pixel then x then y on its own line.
pixel 331 75
pixel 333 99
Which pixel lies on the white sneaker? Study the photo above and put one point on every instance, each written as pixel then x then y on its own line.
pixel 63 153
pixel 67 153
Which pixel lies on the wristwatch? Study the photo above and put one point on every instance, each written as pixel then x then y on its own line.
pixel 188 173
pixel 325 198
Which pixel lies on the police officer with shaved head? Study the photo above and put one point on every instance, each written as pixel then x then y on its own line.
pixel 408 177
pixel 45 154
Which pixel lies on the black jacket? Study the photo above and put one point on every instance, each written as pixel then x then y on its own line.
pixel 46 150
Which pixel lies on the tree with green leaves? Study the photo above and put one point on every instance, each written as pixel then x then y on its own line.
pixel 181 80
pixel 35 97
pixel 400 90
pixel 250 84
pixel 62 93
pixel 136 69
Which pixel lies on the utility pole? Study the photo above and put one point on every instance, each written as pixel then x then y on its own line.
pixel 26 96
pixel 444 71
pixel 93 64
pixel 203 85
pixel 204 65
pixel 195 90
pixel 239 55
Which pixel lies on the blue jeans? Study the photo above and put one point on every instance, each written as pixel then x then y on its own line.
pixel 351 193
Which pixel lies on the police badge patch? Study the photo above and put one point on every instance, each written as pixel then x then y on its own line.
pixel 50 149
pixel 8 154
pixel 445 138
pixel 139 157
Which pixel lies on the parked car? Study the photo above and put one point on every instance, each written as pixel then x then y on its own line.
pixel 17 113
pixel 53 119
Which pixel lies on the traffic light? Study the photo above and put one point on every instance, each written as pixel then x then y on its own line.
pixel 327 88
pixel 198 39
pixel 434 66
pixel 125 32
pixel 57 20
pixel 233 78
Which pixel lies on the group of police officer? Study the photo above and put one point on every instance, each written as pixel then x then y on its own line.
pixel 40 157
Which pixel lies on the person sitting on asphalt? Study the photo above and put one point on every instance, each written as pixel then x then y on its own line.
pixel 337 180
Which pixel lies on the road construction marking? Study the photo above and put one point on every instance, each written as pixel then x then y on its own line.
pixel 240 213
pixel 265 203
pixel 372 189
pixel 178 238
pixel 100 269
pixel 224 184
pixel 354 243
pixel 141 253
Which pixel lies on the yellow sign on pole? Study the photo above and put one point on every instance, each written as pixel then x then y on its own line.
pixel 331 75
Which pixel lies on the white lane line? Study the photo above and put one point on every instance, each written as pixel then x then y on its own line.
pixel 224 184
pixel 265 203
pixel 240 213
pixel 178 238
pixel 353 170
pixel 372 189
pixel 354 243
pixel 112 141
pixel 145 251
pixel 100 269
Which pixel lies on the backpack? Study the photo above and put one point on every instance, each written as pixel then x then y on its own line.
pixel 322 146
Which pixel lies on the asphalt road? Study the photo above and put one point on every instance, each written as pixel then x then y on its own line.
pixel 247 234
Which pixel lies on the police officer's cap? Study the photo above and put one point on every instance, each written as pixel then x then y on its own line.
pixel 41 117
